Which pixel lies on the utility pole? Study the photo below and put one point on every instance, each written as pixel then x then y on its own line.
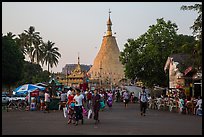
pixel 111 81
pixel 67 75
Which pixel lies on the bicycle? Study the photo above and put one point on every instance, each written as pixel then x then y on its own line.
pixel 13 105
pixel 22 105
pixel 16 105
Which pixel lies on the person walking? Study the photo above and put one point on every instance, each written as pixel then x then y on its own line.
pixel 118 96
pixel 143 101
pixel 62 102
pixel 70 104
pixel 110 99
pixel 89 99
pixel 96 105
pixel 79 101
pixel 47 101
pixel 126 98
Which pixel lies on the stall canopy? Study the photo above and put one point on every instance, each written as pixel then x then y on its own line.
pixel 24 89
pixel 55 81
pixel 41 84
pixel 135 89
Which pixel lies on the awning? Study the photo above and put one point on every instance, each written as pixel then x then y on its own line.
pixel 56 82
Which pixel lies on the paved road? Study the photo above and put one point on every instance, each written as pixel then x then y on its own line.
pixel 115 121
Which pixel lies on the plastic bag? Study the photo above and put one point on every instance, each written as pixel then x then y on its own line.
pixel 85 113
pixel 102 105
pixel 65 111
pixel 89 114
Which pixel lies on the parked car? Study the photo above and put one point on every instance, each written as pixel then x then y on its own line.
pixel 17 97
pixel 5 99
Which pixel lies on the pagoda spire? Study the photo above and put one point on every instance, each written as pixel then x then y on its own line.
pixel 109 24
pixel 78 59
pixel 78 67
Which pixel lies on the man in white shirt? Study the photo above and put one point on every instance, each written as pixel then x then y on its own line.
pixel 143 101
pixel 126 98
pixel 63 97
pixel 47 101
pixel 79 101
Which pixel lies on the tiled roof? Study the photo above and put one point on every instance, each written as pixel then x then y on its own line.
pixel 181 58
pixel 184 60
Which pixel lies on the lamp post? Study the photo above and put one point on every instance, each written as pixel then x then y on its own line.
pixel 111 81
pixel 67 76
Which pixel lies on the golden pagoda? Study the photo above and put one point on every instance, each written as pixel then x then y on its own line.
pixel 107 70
pixel 76 77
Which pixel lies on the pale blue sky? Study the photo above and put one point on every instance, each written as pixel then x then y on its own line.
pixel 79 26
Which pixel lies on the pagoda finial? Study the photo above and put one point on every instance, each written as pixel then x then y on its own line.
pixel 78 58
pixel 109 13
pixel 109 24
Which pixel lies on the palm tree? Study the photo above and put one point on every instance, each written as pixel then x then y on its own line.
pixel 10 35
pixel 37 52
pixel 22 42
pixel 34 40
pixel 50 54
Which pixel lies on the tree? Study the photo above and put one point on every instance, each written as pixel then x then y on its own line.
pixel 42 77
pixel 37 52
pixel 11 35
pixel 144 58
pixel 12 62
pixel 33 73
pixel 197 26
pixel 22 42
pixel 185 44
pixel 197 31
pixel 50 54
pixel 34 40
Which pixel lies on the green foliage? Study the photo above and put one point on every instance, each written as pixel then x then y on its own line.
pixel 50 54
pixel 33 73
pixel 197 25
pixel 197 31
pixel 185 44
pixel 144 58
pixel 30 43
pixel 12 61
pixel 32 46
pixel 15 70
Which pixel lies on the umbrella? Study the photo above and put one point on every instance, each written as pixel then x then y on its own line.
pixel 41 84
pixel 24 89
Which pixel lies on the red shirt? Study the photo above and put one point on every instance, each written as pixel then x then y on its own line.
pixel 70 99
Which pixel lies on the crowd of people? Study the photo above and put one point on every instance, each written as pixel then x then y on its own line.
pixel 181 104
pixel 79 103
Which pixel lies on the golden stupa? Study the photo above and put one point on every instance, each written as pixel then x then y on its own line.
pixel 107 69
